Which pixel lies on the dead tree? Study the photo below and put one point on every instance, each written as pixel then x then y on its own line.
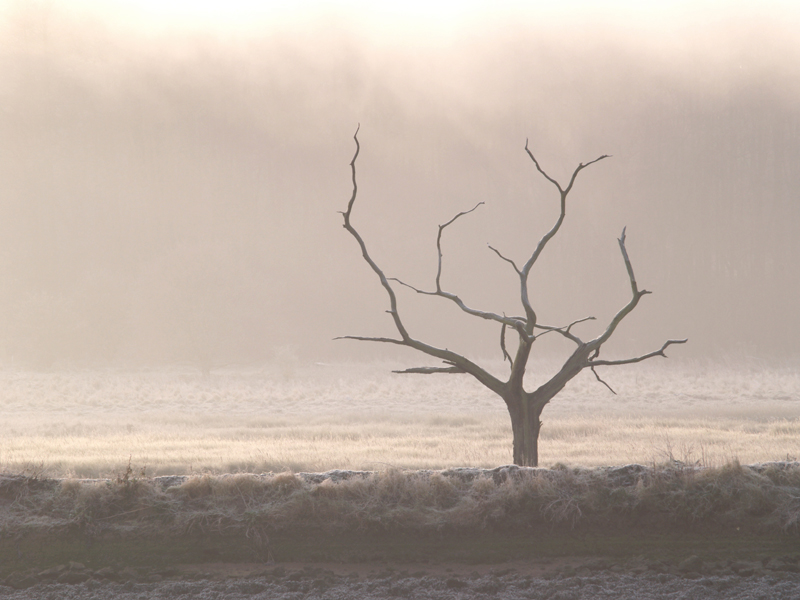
pixel 525 408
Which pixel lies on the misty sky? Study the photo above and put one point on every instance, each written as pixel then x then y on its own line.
pixel 170 174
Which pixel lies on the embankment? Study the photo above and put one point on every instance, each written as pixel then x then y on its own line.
pixel 663 513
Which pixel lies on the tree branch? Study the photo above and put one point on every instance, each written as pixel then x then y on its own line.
pixel 628 361
pixel 371 339
pixel 490 316
pixel 508 260
pixel 531 315
pixel 636 295
pixel 628 265
pixel 456 360
pixel 584 319
pixel 460 303
pixel 506 355
pixel 538 168
pixel 453 297
pixel 431 370
pixel 564 330
pixel 582 166
pixel 439 242
pixel 384 282
pixel 411 287
pixel 603 382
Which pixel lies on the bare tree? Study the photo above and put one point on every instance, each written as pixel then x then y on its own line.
pixel 525 408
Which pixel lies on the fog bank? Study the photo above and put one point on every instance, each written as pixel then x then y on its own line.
pixel 170 194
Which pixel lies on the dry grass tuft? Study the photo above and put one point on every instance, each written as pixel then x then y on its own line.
pixel 760 498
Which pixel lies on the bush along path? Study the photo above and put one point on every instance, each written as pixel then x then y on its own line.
pixel 732 520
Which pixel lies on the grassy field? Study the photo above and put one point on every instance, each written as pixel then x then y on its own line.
pixel 352 416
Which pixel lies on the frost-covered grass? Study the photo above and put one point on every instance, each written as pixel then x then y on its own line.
pixel 353 416
pixel 762 498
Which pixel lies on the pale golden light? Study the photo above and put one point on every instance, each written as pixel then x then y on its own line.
pixel 432 18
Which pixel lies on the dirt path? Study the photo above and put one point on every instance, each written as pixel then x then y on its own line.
pixel 551 580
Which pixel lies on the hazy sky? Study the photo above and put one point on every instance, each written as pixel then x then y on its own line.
pixel 171 172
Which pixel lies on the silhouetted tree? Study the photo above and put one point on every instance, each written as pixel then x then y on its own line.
pixel 524 407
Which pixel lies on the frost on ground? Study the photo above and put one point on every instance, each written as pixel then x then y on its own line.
pixel 362 417
pixel 321 584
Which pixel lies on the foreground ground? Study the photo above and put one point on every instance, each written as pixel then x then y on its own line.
pixel 553 580
pixel 636 531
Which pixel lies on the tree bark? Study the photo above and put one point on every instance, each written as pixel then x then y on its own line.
pixel 525 408
pixel 525 426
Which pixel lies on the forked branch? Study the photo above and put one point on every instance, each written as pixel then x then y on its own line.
pixel 347 225
pixel 460 303
pixel 456 361
pixel 594 346
pixel 439 243
pixel 565 331
pixel 578 169
pixel 453 297
pixel 627 361
pixel 526 269
pixel 636 295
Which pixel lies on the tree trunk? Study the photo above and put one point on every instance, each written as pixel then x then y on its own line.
pixel 525 408
pixel 525 425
